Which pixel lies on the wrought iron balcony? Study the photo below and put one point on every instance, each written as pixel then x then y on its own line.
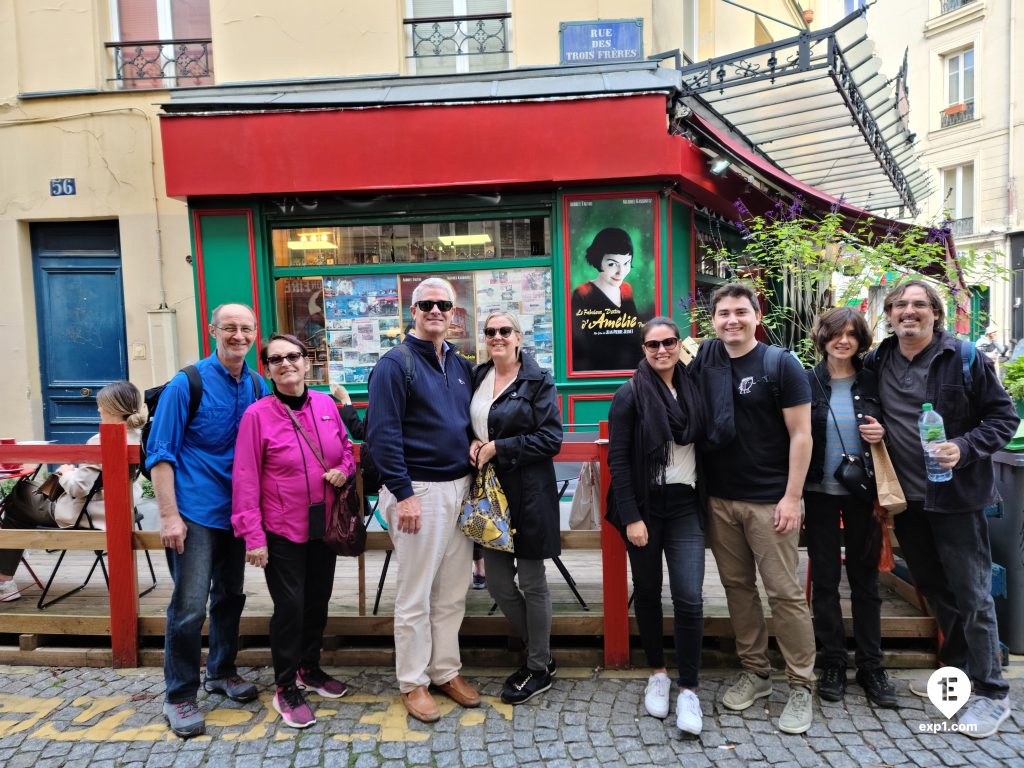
pixel 957 113
pixel 962 227
pixel 946 6
pixel 459 35
pixel 162 63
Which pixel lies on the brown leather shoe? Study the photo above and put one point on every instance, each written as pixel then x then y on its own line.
pixel 460 691
pixel 421 705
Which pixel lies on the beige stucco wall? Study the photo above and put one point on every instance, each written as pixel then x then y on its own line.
pixel 58 45
pixel 268 39
pixel 896 25
pixel 107 144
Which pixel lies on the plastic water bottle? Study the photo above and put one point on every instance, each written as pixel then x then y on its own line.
pixel 933 432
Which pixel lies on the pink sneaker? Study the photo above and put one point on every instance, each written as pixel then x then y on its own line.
pixel 316 680
pixel 292 706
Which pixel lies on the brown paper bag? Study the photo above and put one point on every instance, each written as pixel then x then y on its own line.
pixel 890 494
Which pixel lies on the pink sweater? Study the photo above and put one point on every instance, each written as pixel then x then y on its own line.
pixel 269 486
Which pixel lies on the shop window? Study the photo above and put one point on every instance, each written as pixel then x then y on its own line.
pixel 160 43
pixel 450 36
pixel 412 243
pixel 345 294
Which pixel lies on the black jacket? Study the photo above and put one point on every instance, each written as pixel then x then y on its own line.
pixel 866 403
pixel 526 427
pixel 980 422
pixel 627 496
pixel 353 423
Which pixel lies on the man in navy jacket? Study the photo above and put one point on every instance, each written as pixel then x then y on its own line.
pixel 943 533
pixel 419 437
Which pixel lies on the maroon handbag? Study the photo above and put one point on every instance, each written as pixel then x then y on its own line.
pixel 345 532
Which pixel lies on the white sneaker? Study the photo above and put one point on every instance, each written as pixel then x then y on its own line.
pixel 689 718
pixel 982 717
pixel 656 695
pixel 918 682
pixel 9 591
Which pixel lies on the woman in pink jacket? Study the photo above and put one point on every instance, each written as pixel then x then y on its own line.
pixel 280 497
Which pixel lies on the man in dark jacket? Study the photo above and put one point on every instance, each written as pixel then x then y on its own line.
pixel 418 433
pixel 944 533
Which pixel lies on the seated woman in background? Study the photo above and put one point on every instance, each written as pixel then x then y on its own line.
pixel 117 403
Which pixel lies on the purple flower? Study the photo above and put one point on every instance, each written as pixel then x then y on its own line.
pixel 741 208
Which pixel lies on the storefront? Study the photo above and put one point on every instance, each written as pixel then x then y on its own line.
pixel 571 196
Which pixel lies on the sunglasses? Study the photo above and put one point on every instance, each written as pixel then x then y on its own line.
pixel 428 304
pixel 669 344
pixel 505 331
pixel 291 357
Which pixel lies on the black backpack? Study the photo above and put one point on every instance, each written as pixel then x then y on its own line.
pixel 195 396
pixel 372 480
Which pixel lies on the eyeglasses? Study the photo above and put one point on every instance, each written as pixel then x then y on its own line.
pixel 291 357
pixel 669 344
pixel 505 331
pixel 231 330
pixel 428 304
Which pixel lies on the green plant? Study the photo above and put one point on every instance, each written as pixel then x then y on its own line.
pixel 147 488
pixel 1013 378
pixel 802 263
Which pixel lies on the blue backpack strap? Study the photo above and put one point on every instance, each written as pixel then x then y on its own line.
pixel 968 351
pixel 410 366
pixel 774 359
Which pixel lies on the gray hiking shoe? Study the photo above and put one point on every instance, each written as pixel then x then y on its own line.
pixel 982 717
pixel 798 712
pixel 185 718
pixel 234 687
pixel 747 689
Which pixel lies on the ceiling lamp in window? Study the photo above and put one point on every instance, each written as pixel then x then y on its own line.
pixel 455 240
pixel 312 241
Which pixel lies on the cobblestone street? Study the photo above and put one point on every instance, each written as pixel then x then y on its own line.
pixel 104 718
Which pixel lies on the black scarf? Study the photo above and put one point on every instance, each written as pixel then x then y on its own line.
pixel 295 402
pixel 663 419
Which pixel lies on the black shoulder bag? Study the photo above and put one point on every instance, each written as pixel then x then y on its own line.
pixel 345 532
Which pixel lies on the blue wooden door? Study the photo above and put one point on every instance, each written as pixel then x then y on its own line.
pixel 80 317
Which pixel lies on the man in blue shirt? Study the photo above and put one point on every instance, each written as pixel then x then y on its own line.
pixel 191 469
pixel 419 437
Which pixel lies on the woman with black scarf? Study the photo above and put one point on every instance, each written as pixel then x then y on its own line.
pixel 655 420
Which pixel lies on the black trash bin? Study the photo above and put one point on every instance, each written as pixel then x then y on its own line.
pixel 1006 533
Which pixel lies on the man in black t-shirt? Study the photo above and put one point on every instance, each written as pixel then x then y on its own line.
pixel 760 435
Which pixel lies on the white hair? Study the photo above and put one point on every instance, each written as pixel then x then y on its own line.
pixel 433 282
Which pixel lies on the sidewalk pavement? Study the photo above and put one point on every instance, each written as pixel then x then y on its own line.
pixel 106 718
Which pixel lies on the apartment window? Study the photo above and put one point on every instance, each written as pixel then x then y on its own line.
pixel 849 6
pixel 958 197
pixel 959 69
pixel 160 43
pixel 690 29
pixel 946 6
pixel 449 36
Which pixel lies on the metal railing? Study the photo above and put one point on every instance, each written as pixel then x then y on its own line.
pixel 956 114
pixel 961 227
pixel 473 35
pixel 162 63
pixel 946 6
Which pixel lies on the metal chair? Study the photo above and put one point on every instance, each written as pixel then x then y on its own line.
pixel 85 522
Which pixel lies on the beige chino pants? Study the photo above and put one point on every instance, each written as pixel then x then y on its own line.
pixel 744 542
pixel 434 572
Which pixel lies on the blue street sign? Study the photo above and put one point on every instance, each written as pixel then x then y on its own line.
pixel 596 42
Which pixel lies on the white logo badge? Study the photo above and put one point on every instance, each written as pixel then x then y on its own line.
pixel 746 384
pixel 949 688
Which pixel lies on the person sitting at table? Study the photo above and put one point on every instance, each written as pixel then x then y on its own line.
pixel 117 403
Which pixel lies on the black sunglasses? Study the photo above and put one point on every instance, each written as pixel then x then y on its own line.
pixel 669 344
pixel 291 357
pixel 505 331
pixel 428 304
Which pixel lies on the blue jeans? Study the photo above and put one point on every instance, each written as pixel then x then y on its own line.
pixel 673 527
pixel 211 568
pixel 950 559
